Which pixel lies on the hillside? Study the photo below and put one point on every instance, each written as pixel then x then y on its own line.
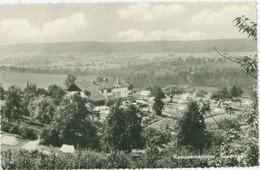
pixel 228 45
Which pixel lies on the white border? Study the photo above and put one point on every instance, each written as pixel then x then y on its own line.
pixel 111 1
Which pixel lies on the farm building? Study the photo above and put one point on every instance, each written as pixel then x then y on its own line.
pixel 145 94
pixel 102 89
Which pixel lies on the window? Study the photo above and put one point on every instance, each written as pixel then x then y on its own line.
pixel 108 90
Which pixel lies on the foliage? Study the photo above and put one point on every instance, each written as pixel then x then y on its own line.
pixel 192 128
pixel 110 103
pixel 158 94
pixel 201 93
pixel 28 133
pixel 72 121
pixel 29 92
pixel 130 85
pixel 123 129
pixel 248 64
pixel 42 108
pixel 23 159
pixel 172 90
pixel 249 28
pixel 50 136
pixel 236 91
pixel 56 93
pixel 241 134
pixel 156 138
pixel 221 95
pixel 71 79
pixel 87 93
pixel 13 108
pixel 2 93
pixel 25 132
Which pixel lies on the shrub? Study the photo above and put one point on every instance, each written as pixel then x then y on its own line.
pixel 15 129
pixel 156 138
pixel 119 160
pixel 6 126
pixel 109 103
pixel 50 136
pixel 28 133
pixel 37 160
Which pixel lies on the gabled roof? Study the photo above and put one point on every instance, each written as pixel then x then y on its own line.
pixel 95 95
pixel 110 83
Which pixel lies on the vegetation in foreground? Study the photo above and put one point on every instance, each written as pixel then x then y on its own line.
pixel 191 143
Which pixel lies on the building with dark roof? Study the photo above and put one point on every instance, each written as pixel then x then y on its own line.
pixel 102 89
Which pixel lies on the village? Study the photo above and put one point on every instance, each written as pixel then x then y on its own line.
pixel 104 92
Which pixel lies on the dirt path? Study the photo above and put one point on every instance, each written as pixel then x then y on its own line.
pixel 32 145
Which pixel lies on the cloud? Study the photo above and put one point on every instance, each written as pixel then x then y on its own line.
pixel 226 15
pixel 16 30
pixel 148 12
pixel 172 34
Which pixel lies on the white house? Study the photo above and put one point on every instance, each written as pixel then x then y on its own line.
pixel 145 94
pixel 102 89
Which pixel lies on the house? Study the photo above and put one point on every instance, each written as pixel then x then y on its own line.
pixel 145 94
pixel 112 88
pixel 101 89
pixel 95 95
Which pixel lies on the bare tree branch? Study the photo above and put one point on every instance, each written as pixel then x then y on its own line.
pixel 249 73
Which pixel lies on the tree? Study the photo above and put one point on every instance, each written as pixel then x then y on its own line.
pixel 171 91
pixel 123 129
pixel 42 108
pixel 236 91
pixel 87 93
pixel 13 108
pixel 71 79
pixel 29 92
pixel 158 96
pixel 114 135
pixel 201 93
pixel 192 128
pixel 56 93
pixel 248 64
pixel 72 122
pixel 134 129
pixel 246 141
pixel 221 95
pixel 2 93
pixel 156 138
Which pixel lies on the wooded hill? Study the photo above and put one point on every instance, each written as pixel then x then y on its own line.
pixel 227 45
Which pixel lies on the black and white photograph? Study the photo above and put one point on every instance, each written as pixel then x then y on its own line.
pixel 128 85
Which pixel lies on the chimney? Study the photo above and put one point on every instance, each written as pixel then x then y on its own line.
pixel 117 80
pixel 92 81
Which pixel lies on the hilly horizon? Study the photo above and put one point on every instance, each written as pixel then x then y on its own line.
pixel 196 46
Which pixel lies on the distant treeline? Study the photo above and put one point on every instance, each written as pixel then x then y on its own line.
pixel 62 71
pixel 218 77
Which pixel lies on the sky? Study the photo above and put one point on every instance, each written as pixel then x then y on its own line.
pixel 117 22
